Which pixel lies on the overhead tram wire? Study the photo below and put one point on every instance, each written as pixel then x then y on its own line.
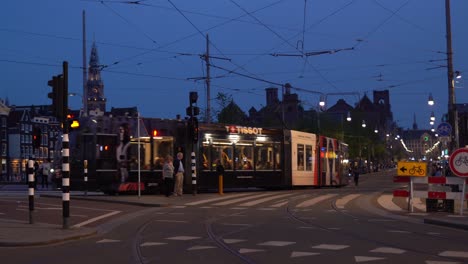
pixel 400 17
pixel 381 24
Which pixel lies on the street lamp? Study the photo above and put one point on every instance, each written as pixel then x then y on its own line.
pixel 348 118
pixel 430 101
pixel 363 123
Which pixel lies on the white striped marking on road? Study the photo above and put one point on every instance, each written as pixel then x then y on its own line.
pixel 230 224
pixel 296 254
pixel 341 203
pixel 96 219
pixel 276 243
pixel 388 250
pixel 253 197
pixel 233 241
pixel 366 258
pixel 107 241
pixel 200 247
pixel 315 200
pixel 258 201
pixel 206 207
pixel 279 204
pixel 217 199
pixel 149 244
pixel 249 250
pixel 171 221
pixel 183 238
pixel 330 246
pixel 455 254
pixel 386 201
pixel 399 231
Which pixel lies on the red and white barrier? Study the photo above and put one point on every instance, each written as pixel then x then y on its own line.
pixel 440 195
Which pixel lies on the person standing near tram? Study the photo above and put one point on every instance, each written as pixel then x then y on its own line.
pixel 179 174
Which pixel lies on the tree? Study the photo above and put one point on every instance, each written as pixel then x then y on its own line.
pixel 232 114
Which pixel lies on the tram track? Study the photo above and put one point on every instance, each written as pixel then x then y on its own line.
pixel 292 214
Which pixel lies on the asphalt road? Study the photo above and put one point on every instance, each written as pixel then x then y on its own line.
pixel 344 225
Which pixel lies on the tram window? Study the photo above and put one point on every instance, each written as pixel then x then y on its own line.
pixel 244 157
pixel 308 157
pixel 161 149
pixel 264 158
pixel 205 157
pixel 223 153
pixel 300 157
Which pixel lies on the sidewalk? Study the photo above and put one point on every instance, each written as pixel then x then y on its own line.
pixel 19 233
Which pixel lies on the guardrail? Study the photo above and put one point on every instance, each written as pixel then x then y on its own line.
pixel 432 194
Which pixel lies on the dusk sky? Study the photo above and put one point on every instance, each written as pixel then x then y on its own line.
pixel 150 51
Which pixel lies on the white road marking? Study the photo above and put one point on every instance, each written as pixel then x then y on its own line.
pixel 200 247
pixel 2 213
pixel 276 243
pixel 178 206
pixel 386 201
pixel 217 199
pixel 315 200
pixel 229 224
pixel 41 208
pixel 248 250
pixel 330 246
pixel 206 207
pixel 266 209
pixel 296 254
pixel 107 241
pixel 258 201
pixel 183 238
pixel 279 204
pixel 365 258
pixel 237 208
pixel 96 219
pixel 170 221
pixel 399 231
pixel 455 254
pixel 341 203
pixel 253 197
pixel 441 262
pixel 389 250
pixel 149 244
pixel 233 241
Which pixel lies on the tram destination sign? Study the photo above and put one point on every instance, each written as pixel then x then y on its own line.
pixel 410 168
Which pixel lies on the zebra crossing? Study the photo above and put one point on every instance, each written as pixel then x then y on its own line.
pixel 272 200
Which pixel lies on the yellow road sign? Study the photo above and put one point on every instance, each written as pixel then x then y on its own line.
pixel 409 168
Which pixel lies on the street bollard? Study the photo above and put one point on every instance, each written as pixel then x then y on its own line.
pixel 31 190
pixel 220 184
pixel 85 165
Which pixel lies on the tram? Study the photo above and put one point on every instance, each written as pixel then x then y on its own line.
pixel 251 157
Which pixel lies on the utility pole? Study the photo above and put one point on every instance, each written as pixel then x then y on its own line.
pixel 85 90
pixel 452 110
pixel 208 92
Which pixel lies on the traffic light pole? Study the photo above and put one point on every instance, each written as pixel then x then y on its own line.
pixel 65 152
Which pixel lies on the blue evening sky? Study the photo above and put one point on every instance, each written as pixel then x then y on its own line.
pixel 152 51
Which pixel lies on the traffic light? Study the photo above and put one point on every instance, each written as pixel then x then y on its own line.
pixel 57 96
pixel 192 110
pixel 193 127
pixel 36 137
pixel 73 123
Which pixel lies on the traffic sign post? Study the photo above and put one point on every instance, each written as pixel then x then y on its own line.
pixel 412 168
pixel 458 163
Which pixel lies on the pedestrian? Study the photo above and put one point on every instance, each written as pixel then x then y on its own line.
pixel 179 174
pixel 45 173
pixel 356 176
pixel 168 175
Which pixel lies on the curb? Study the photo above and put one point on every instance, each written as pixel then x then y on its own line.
pixel 446 223
pixel 143 204
pixel 50 241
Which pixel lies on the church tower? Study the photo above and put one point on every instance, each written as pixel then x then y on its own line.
pixel 96 102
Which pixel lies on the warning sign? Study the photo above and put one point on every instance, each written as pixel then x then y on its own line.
pixel 408 168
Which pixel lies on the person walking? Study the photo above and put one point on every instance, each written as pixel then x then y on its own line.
pixel 45 173
pixel 179 174
pixel 168 176
pixel 356 176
